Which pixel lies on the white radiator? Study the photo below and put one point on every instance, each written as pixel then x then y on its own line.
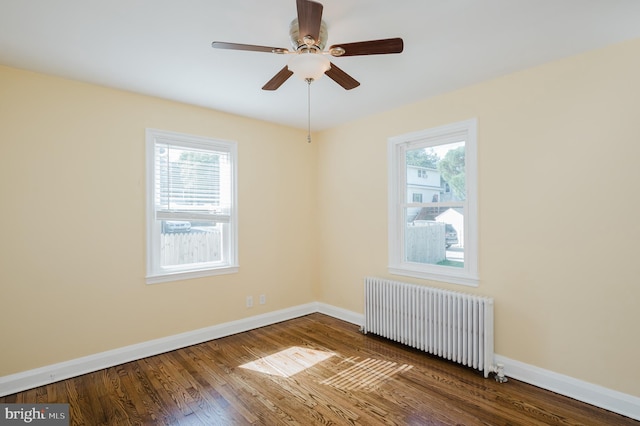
pixel 455 326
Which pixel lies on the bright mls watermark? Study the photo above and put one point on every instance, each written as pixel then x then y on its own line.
pixel 36 414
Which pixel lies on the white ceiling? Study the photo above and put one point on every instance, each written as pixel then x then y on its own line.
pixel 163 47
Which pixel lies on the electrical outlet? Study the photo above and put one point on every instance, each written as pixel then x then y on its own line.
pixel 263 299
pixel 249 301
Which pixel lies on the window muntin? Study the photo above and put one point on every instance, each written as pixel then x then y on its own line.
pixel 191 212
pixel 434 238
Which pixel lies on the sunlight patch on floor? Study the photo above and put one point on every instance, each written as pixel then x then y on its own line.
pixel 288 362
pixel 365 375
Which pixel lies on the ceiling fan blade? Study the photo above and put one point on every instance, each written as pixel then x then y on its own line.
pixel 249 47
pixel 341 77
pixel 371 47
pixel 309 18
pixel 278 79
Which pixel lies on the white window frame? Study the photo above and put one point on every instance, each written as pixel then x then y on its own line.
pixel 397 147
pixel 155 273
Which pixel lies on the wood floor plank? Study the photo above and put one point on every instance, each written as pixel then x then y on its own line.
pixel 313 370
pixel 232 409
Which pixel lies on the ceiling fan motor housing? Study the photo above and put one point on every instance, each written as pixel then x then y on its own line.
pixel 298 41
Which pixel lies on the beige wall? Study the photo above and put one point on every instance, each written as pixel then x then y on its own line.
pixel 558 154
pixel 559 202
pixel 72 228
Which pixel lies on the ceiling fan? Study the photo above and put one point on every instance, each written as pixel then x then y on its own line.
pixel 308 33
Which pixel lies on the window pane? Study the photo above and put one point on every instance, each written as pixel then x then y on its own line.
pixel 191 180
pixel 435 185
pixel 191 242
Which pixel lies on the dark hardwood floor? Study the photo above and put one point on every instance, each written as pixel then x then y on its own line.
pixel 307 371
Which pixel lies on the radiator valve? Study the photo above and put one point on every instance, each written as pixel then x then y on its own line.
pixel 499 370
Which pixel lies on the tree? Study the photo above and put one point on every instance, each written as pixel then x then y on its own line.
pixel 451 167
pixel 422 158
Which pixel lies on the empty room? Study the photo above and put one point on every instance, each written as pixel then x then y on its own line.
pixel 336 212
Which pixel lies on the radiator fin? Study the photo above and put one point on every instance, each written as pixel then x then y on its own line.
pixel 452 325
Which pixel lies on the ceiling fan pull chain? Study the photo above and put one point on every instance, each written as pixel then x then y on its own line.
pixel 309 80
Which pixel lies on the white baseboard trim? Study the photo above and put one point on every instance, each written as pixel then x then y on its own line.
pixel 602 397
pixel 64 370
pixel 341 314
pixel 611 400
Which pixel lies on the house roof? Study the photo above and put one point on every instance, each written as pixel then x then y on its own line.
pixel 432 213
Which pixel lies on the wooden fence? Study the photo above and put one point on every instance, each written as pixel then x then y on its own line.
pixel 190 247
pixel 425 242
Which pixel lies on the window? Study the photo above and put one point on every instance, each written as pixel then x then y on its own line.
pixel 417 198
pixel 191 206
pixel 422 173
pixel 436 239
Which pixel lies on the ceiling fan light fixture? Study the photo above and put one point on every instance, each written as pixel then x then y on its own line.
pixel 309 65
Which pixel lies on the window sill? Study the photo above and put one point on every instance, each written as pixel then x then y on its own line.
pixel 186 275
pixel 461 278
